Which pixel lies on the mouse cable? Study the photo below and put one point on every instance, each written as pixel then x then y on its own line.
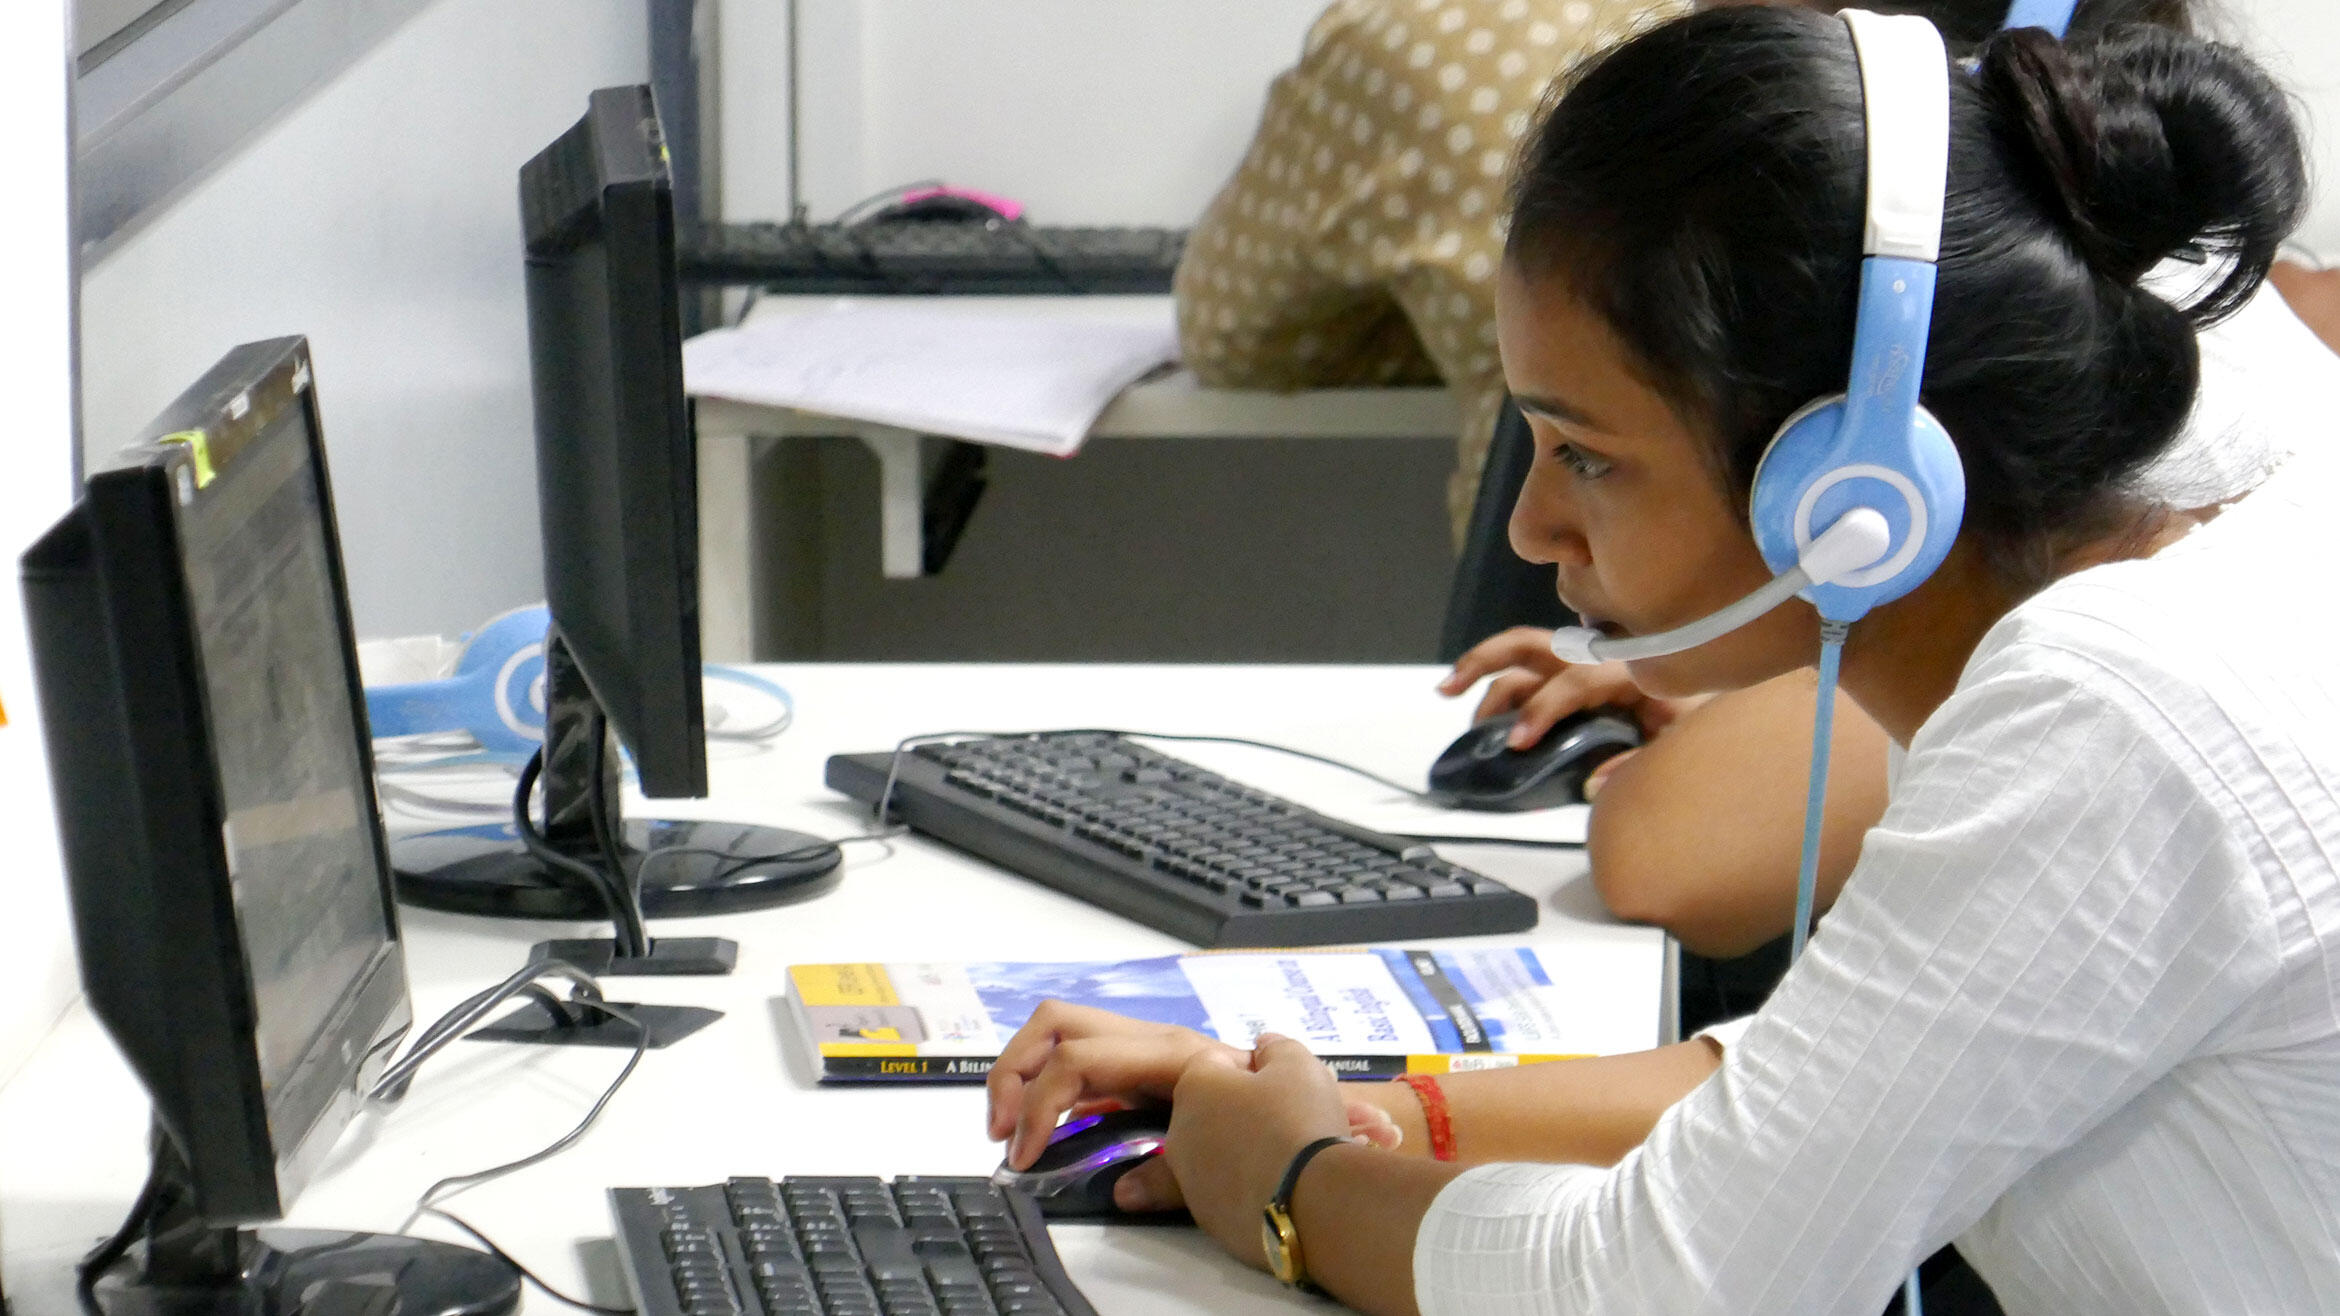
pixel 460 1020
pixel 1048 263
pixel 1520 842
pixel 497 1251
pixel 908 743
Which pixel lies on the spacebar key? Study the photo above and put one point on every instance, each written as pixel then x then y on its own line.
pixel 887 1252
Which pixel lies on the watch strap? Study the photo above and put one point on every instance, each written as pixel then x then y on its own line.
pixel 1300 1159
pixel 1279 1217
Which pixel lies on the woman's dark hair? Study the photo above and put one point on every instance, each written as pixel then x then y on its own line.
pixel 1969 23
pixel 1701 188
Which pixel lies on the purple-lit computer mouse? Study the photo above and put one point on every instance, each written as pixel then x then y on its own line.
pixel 1074 1175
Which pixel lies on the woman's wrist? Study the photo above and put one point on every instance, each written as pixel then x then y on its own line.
pixel 1404 1110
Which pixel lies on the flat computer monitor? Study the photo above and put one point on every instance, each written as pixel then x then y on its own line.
pixel 229 882
pixel 617 486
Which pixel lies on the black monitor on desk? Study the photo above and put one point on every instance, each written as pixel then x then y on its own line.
pixel 616 461
pixel 229 882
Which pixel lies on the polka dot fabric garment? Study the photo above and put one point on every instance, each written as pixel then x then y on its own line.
pixel 1357 242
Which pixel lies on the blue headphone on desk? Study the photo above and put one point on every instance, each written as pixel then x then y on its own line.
pixel 496 694
pixel 1859 496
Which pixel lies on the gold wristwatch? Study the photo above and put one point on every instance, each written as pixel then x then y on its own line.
pixel 1277 1235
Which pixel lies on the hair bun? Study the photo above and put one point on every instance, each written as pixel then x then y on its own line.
pixel 2149 145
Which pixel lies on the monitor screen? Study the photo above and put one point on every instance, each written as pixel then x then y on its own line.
pixel 299 832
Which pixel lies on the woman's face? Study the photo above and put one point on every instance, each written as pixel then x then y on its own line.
pixel 1623 501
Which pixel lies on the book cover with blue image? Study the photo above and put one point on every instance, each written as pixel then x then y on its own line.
pixel 1369 1013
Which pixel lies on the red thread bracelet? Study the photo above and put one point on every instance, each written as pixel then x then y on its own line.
pixel 1434 1114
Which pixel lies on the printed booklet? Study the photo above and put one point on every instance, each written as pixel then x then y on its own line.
pixel 1370 1013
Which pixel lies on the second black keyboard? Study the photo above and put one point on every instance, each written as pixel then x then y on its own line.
pixel 807 1246
pixel 1176 846
pixel 999 256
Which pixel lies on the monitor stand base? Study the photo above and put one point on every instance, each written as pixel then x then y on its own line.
pixel 669 957
pixel 322 1273
pixel 581 1025
pixel 685 869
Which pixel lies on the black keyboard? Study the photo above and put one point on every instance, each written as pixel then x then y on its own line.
pixel 1178 847
pixel 931 256
pixel 847 1247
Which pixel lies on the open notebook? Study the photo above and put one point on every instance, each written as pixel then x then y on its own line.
pixel 1025 379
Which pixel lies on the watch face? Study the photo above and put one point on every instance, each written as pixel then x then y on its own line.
pixel 1280 1242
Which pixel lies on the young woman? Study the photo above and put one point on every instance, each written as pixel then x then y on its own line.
pixel 2075 1007
pixel 1694 837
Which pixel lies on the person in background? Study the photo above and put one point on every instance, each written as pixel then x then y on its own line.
pixel 1357 242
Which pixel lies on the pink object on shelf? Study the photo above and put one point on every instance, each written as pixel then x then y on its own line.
pixel 1007 207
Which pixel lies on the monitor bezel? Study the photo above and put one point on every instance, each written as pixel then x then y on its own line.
pixel 600 193
pixel 189 1024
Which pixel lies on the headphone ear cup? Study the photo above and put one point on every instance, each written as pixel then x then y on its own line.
pixel 505 662
pixel 1814 472
pixel 496 695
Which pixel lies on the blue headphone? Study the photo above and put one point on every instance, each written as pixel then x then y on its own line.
pixel 497 692
pixel 1874 447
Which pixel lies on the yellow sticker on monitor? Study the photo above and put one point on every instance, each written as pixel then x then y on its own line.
pixel 199 446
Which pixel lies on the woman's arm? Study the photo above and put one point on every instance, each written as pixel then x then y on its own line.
pixel 1928 1052
pixel 1578 1112
pixel 1590 1111
pixel 1700 830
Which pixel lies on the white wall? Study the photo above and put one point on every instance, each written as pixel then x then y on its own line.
pixel 379 217
pixel 36 445
pixel 1133 111
pixel 2299 41
pixel 1089 111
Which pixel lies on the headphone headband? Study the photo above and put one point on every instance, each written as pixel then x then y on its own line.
pixel 1905 98
pixel 2054 15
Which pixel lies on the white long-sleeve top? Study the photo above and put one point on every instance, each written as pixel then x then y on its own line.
pixel 2077 1009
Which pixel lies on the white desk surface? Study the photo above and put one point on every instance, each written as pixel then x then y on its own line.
pixel 733 1099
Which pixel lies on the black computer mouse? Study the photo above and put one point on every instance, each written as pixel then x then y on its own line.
pixel 1074 1175
pixel 1480 771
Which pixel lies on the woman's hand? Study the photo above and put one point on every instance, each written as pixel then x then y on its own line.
pixel 1074 1059
pixel 1071 1058
pixel 1235 1122
pixel 1529 678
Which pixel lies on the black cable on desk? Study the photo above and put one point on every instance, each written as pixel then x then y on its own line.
pixel 460 1020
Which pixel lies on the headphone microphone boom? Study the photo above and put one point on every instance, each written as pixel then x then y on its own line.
pixel 1859 537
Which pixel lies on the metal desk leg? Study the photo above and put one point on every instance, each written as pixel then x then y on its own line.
pixel 728 569
pixel 901 500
